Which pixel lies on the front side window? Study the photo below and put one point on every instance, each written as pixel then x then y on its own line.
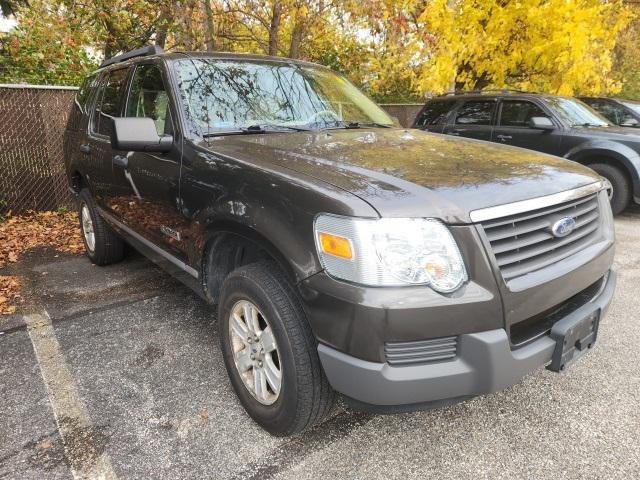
pixel 222 96
pixel 576 113
pixel 109 101
pixel 434 113
pixel 517 113
pixel 476 113
pixel 148 97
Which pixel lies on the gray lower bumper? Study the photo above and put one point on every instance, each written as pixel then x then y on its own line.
pixel 485 363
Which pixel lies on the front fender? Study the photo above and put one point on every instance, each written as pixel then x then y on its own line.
pixel 616 151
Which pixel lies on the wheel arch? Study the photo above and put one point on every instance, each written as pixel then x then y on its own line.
pixel 228 245
pixel 621 157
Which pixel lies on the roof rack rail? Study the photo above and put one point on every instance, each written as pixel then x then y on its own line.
pixel 487 91
pixel 138 52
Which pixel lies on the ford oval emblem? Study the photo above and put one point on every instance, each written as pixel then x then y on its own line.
pixel 563 227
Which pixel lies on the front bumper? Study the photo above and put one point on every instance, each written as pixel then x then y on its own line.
pixel 485 363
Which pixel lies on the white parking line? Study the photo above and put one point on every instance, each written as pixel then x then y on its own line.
pixel 84 449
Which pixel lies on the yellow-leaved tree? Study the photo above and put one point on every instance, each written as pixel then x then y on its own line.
pixel 557 46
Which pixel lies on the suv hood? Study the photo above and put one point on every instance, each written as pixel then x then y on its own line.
pixel 411 173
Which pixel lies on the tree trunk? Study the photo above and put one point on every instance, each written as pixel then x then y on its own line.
pixel 297 35
pixel 274 28
pixel 210 30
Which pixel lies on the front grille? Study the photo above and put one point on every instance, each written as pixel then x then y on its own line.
pixel 524 243
pixel 421 351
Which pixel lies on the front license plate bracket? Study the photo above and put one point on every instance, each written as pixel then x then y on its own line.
pixel 573 339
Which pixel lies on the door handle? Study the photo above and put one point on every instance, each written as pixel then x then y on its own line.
pixel 504 137
pixel 120 161
pixel 455 133
pixel 86 149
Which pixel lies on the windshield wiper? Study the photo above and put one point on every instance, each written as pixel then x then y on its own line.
pixel 588 124
pixel 256 129
pixel 353 125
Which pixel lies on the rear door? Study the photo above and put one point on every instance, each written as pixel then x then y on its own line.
pixel 513 127
pixel 472 119
pixel 97 149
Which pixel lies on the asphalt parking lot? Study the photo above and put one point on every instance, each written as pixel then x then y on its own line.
pixel 116 373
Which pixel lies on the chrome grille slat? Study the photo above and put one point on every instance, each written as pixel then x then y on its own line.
pixel 422 351
pixel 547 247
pixel 536 213
pixel 524 243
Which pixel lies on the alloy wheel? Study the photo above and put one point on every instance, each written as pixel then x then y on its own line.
pixel 255 352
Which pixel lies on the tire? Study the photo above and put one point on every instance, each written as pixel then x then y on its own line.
pixel 107 247
pixel 305 396
pixel 621 195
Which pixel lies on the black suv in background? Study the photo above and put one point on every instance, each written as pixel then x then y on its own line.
pixel 624 113
pixel 399 268
pixel 560 126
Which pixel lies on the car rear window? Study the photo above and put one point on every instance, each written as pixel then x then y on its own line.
pixel 476 113
pixel 434 113
pixel 109 100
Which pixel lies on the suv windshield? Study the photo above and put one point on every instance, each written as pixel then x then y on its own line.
pixel 223 96
pixel 576 113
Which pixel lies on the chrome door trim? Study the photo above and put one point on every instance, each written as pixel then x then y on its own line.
pixel 515 208
pixel 178 263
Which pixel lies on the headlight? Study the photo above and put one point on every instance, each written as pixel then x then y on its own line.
pixel 390 251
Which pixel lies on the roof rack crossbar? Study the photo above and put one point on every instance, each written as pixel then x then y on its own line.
pixel 138 52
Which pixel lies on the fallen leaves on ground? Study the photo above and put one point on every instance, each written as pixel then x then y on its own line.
pixel 9 294
pixel 35 229
pixel 39 229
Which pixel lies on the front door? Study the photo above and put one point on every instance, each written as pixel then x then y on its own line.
pixel 150 206
pixel 513 128
pixel 473 119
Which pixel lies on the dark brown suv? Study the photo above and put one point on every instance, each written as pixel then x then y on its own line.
pixel 399 268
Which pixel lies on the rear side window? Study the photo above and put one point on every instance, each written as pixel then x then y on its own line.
pixel 516 113
pixel 109 101
pixel 148 97
pixel 475 113
pixel 84 93
pixel 434 113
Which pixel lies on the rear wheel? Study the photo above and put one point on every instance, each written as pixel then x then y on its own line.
pixel 270 352
pixel 102 245
pixel 620 194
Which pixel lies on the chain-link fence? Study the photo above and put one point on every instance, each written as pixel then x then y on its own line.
pixel 32 122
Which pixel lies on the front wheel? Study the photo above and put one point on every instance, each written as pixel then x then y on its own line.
pixel 620 194
pixel 270 352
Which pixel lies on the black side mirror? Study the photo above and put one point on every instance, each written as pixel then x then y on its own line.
pixel 134 134
pixel 541 123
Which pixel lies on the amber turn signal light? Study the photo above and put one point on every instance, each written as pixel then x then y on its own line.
pixel 337 246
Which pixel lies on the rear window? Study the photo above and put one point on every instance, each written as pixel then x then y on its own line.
pixel 84 93
pixel 109 100
pixel 434 113
pixel 476 113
